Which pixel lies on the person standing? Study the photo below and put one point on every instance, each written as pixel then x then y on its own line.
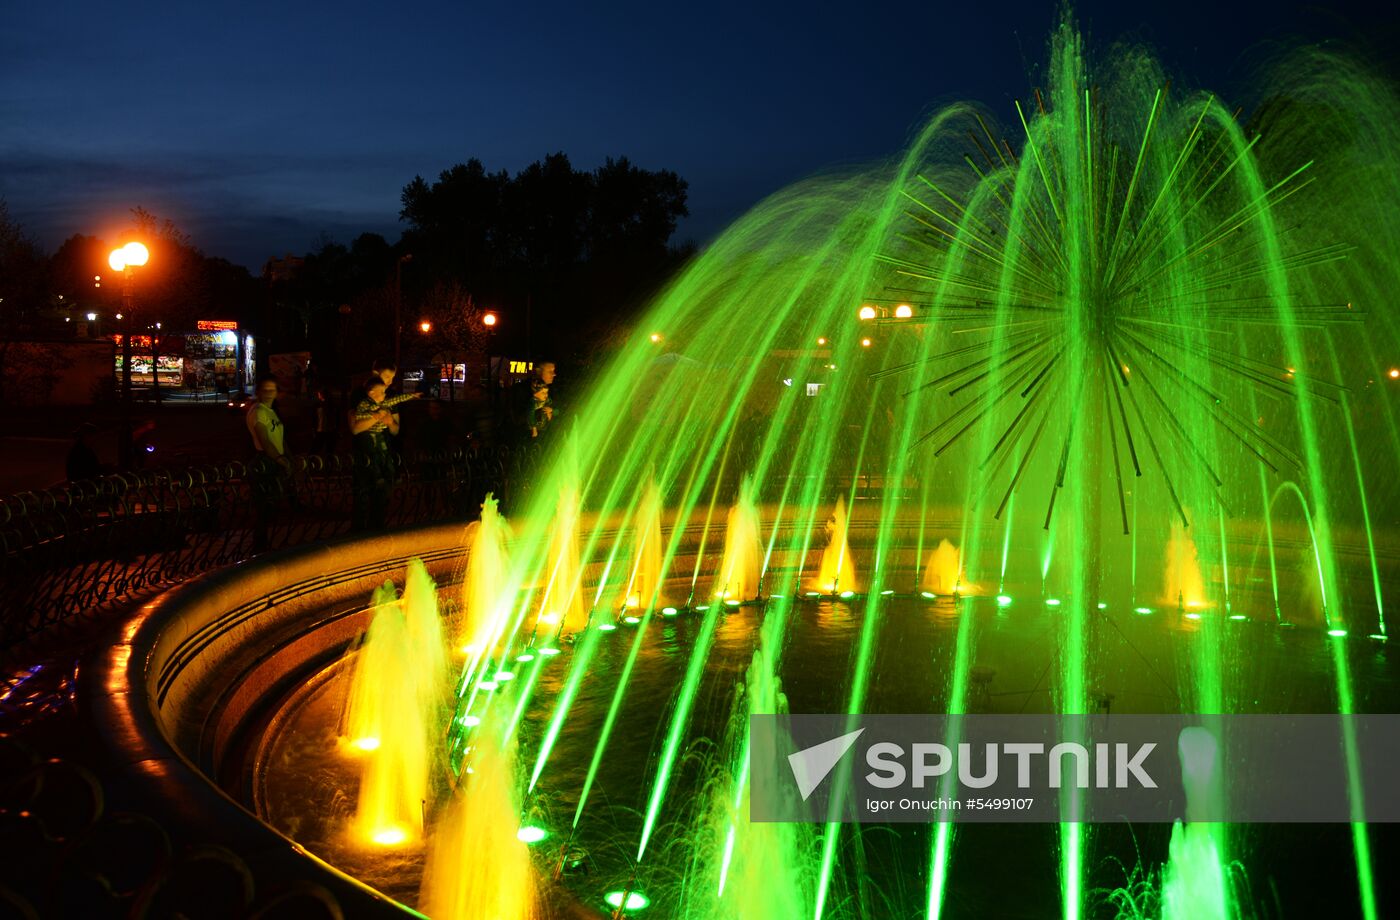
pixel 371 425
pixel 82 460
pixel 271 471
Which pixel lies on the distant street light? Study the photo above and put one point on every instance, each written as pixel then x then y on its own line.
pixel 425 327
pixel 656 338
pixel 867 312
pixel 489 319
pixel 92 317
pixel 903 311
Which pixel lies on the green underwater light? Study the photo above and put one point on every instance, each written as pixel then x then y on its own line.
pixel 1336 633
pixel 635 900
pixel 1142 610
pixel 607 627
pixel 549 652
pixel 530 834
pixel 928 595
pixel 631 620
pixel 1003 600
pixel 1052 602
pixel 1238 616
pixel 668 611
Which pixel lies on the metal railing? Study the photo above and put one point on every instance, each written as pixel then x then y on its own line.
pixel 70 551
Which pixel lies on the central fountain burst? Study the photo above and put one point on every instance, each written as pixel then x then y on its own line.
pixel 1122 292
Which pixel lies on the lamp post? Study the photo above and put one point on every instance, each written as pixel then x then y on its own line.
pixel 125 260
pixel 489 319
pixel 398 303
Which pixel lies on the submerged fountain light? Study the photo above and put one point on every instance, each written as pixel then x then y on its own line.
pixel 529 834
pixel 1003 600
pixel 631 620
pixel 635 900
pixel 527 656
pixel 1052 602
pixel 389 836
pixel 549 652
pixel 607 627
pixel 903 311
pixel 928 595
pixel 1238 616
pixel 887 592
pixel 1143 610
pixel 503 676
pixel 367 744
pixel 847 595
pixel 1103 606
pixel 1336 633
pixel 668 611
pixel 470 721
pixel 1193 616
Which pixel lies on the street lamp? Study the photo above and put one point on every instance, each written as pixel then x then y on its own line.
pixel 398 304
pixel 489 320
pixel 425 327
pixel 124 260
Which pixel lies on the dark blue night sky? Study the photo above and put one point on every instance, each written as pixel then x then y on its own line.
pixel 258 127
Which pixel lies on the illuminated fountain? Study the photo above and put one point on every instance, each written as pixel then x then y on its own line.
pixel 478 865
pixel 739 569
pixel 390 719
pixel 483 587
pixel 1126 334
pixel 1185 588
pixel 837 574
pixel 943 573
pixel 645 586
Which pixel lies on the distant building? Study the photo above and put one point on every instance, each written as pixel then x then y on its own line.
pixel 283 269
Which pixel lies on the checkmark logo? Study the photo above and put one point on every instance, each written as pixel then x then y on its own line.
pixel 811 765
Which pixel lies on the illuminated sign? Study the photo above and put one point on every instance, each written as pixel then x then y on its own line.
pixel 215 325
pixel 521 367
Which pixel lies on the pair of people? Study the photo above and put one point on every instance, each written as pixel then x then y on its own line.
pixel 373 424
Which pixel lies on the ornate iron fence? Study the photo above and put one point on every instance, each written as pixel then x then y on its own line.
pixel 76 549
